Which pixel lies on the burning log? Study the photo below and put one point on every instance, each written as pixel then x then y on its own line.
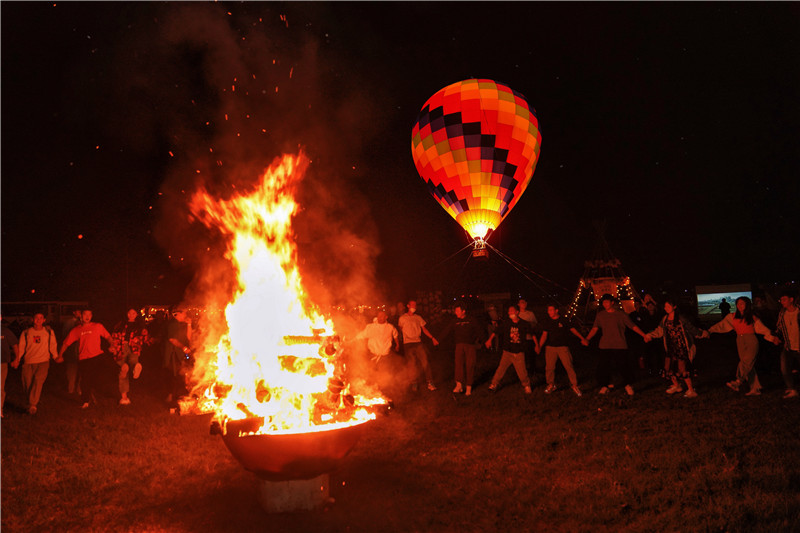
pixel 243 408
pixel 335 386
pixel 262 392
pixel 291 340
pixel 310 366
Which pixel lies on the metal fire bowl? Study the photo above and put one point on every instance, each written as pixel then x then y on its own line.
pixel 291 456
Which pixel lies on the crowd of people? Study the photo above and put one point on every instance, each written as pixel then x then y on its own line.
pixel 655 339
pixel 652 338
pixel 84 345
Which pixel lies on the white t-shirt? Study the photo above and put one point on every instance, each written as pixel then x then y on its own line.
pixel 379 337
pixel 411 326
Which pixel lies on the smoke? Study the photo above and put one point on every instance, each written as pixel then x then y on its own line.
pixel 218 95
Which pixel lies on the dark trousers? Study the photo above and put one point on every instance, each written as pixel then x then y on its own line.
pixel 612 359
pixel 90 373
pixel 465 361
pixel 417 360
pixel 533 361
pixel 788 358
pixel 174 385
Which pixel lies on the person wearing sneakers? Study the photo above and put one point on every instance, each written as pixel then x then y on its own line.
pixel 613 346
pixel 746 325
pixel 467 334
pixel 37 345
pixel 126 346
pixel 512 334
pixel 789 330
pixel 412 326
pixel 89 336
pixel 679 347
pixel 555 339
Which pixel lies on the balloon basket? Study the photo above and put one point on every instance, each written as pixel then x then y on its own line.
pixel 480 253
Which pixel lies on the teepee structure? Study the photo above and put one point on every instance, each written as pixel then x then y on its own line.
pixel 602 274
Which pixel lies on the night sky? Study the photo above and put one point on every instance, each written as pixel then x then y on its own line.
pixel 674 125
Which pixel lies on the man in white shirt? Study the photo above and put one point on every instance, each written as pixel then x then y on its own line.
pixel 413 326
pixel 789 330
pixel 531 340
pixel 380 335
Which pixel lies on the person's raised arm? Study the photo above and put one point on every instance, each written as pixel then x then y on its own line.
pixel 631 325
pixel 542 340
pixel 575 332
pixel 22 347
pixel 488 343
pixel 761 329
pixel 53 348
pixel 15 349
pixel 723 326
pixel 592 333
pixel 396 339
pixel 430 336
pixel 67 343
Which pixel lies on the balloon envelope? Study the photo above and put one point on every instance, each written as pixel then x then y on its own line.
pixel 476 143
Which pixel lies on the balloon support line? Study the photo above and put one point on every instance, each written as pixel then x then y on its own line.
pixel 509 259
pixel 519 268
pixel 443 261
pixel 453 280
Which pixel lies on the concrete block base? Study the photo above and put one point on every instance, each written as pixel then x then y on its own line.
pixel 295 495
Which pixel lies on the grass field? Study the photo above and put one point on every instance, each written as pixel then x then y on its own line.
pixel 438 462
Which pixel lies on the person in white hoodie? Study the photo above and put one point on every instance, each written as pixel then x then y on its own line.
pixel 381 337
pixel 383 345
pixel 37 345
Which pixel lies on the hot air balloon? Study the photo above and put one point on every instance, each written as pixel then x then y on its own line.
pixel 476 143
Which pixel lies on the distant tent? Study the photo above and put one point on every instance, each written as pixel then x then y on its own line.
pixel 602 274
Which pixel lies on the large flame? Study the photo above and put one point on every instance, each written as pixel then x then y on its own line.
pixel 276 357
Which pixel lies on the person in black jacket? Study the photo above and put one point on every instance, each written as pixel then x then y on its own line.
pixel 467 334
pixel 512 334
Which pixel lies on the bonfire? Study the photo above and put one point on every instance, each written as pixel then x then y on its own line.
pixel 273 364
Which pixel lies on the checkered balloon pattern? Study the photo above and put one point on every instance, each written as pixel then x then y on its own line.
pixel 476 144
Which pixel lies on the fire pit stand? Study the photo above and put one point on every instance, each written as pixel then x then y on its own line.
pixel 293 468
pixel 294 495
